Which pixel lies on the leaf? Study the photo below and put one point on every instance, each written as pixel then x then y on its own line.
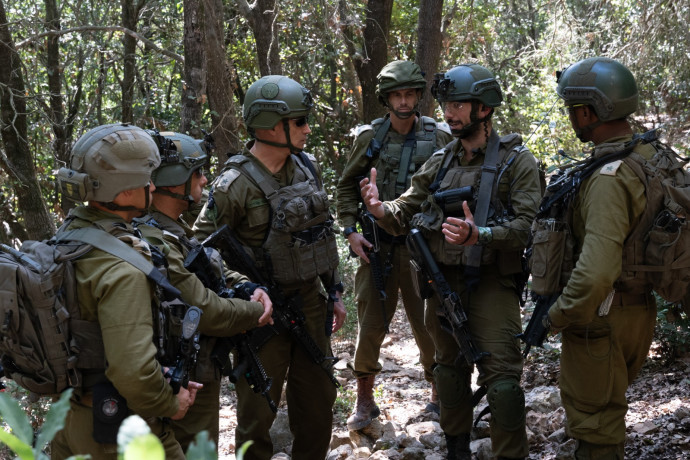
pixel 202 448
pixel 243 450
pixel 147 446
pixel 54 420
pixel 131 428
pixel 21 449
pixel 15 417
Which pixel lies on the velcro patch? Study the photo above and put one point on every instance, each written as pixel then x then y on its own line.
pixel 611 168
pixel 223 182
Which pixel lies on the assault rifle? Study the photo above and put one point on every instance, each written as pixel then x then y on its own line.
pixel 287 311
pixel 248 363
pixel 452 316
pixel 370 232
pixel 188 350
pixel 537 329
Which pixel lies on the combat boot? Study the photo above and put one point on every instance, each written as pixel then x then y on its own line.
pixel 458 447
pixel 366 409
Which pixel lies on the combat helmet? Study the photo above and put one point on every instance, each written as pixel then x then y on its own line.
pixel 602 83
pixel 107 160
pixel 399 75
pixel 273 98
pixel 467 82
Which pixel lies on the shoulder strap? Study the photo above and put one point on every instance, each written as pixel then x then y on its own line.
pixel 377 141
pixel 486 185
pixel 106 242
pixel 447 158
pixel 304 159
pixel 405 157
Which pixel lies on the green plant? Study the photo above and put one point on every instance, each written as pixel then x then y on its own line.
pixel 672 330
pixel 344 404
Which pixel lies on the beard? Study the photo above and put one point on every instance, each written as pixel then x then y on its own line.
pixel 466 131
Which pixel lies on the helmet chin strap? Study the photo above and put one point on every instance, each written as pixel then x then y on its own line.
pixel 116 207
pixel 187 196
pixel 288 144
pixel 473 126
pixel 584 133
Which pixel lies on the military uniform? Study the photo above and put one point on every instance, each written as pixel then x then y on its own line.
pixel 221 318
pixel 120 298
pixel 238 201
pixel 429 137
pixel 602 354
pixel 492 307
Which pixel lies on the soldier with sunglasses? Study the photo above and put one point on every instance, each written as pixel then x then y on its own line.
pixel 272 196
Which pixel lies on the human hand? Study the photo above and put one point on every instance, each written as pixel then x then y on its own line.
pixel 358 244
pixel 462 232
pixel 185 399
pixel 339 313
pixel 370 195
pixel 261 296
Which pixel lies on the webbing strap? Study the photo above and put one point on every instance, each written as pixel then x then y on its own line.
pixel 405 158
pixel 106 242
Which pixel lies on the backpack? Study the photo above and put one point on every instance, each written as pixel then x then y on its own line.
pixel 40 323
pixel 657 250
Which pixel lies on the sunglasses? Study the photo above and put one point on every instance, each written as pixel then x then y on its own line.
pixel 301 121
pixel 570 109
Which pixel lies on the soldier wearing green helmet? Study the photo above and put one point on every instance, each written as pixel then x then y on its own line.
pixel 110 167
pixel 397 145
pixel 179 182
pixel 607 324
pixel 479 253
pixel 272 196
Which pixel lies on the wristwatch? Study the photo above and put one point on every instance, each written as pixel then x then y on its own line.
pixel 349 230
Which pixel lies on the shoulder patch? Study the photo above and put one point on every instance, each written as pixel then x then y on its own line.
pixel 224 180
pixel 356 131
pixel 443 126
pixel 439 152
pixel 610 169
pixel 311 157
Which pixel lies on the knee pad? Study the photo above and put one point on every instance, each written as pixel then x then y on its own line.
pixel 452 385
pixel 507 403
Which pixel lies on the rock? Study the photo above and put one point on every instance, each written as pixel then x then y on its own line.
pixel 409 441
pixel 566 451
pixel 280 433
pixel 392 454
pixel 431 440
pixel 281 456
pixel 340 438
pixel 413 453
pixel 558 436
pixel 374 430
pixel 543 399
pixel 361 452
pixel 340 453
pixel 417 429
pixel 482 430
pixel 360 439
pixel 482 449
pixel 645 427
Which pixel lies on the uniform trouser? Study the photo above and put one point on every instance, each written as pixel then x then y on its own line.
pixel 370 315
pixel 598 363
pixel 493 314
pixel 310 393
pixel 76 437
pixel 203 415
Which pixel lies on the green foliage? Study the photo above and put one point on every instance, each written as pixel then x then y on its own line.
pixel 672 330
pixel 21 437
pixel 344 404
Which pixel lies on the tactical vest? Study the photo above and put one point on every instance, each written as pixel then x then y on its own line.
pixel 453 175
pixel 300 243
pixel 398 162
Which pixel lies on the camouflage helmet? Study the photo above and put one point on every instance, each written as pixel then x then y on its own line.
pixel 467 82
pixel 398 75
pixel 273 98
pixel 605 84
pixel 107 160
pixel 181 155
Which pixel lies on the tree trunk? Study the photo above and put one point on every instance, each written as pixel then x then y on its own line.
pixel 374 54
pixel 262 16
pixel 219 79
pixel 18 162
pixel 130 16
pixel 429 42
pixel 194 88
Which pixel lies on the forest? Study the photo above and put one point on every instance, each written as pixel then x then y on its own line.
pixel 67 66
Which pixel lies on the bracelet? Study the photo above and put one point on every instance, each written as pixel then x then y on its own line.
pixel 347 231
pixel 469 234
pixel 485 235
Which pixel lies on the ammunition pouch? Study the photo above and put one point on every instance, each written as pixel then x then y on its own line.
pixel 109 410
pixel 552 260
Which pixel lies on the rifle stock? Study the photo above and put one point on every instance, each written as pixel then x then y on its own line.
pixel 452 315
pixel 287 311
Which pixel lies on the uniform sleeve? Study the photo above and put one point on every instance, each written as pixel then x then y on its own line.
pixel 222 317
pixel 358 164
pixel 604 212
pixel 399 212
pixel 123 299
pixel 221 212
pixel 525 194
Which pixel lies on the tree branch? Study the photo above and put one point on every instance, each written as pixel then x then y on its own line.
pixel 81 29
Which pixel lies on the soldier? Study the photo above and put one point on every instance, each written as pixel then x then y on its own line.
pixel 113 164
pixel 602 352
pixel 482 263
pixel 397 145
pixel 273 198
pixel 179 182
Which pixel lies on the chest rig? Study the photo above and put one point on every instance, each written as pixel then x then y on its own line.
pixel 474 182
pixel 300 243
pixel 397 162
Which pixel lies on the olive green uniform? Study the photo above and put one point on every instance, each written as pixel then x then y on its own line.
pixel 394 253
pixel 119 297
pixel 221 318
pixel 241 204
pixel 492 307
pixel 603 354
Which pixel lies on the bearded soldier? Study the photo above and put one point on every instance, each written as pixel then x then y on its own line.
pixel 480 260
pixel 397 145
